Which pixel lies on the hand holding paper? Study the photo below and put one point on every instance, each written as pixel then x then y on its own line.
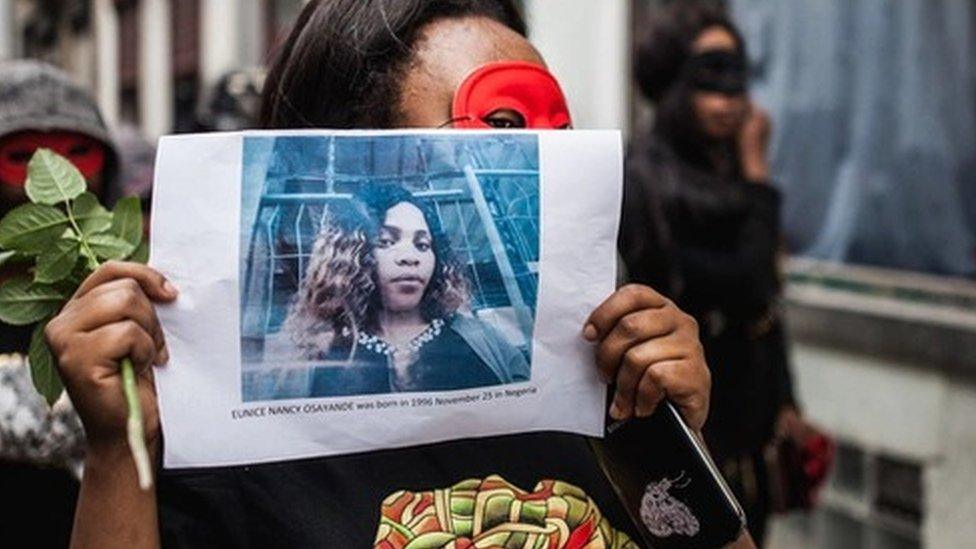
pixel 650 349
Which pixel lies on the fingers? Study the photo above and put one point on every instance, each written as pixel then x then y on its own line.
pixel 676 380
pixel 78 353
pixel 638 388
pixel 636 385
pixel 688 385
pixel 154 284
pixel 633 337
pixel 114 301
pixel 651 351
pixel 624 301
pixel 126 339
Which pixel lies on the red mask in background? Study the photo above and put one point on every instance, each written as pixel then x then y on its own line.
pixel 523 88
pixel 86 153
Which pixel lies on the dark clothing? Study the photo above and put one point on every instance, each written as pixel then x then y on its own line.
pixel 444 363
pixel 14 339
pixel 29 488
pixel 711 243
pixel 37 505
pixel 335 502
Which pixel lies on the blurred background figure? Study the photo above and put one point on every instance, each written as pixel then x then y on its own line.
pixel 137 157
pixel 702 171
pixel 41 448
pixel 233 102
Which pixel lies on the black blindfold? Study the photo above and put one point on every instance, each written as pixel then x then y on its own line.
pixel 718 71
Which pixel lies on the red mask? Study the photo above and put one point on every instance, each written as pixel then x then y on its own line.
pixel 523 88
pixel 86 153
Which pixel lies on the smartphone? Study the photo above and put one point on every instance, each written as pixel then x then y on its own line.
pixel 668 482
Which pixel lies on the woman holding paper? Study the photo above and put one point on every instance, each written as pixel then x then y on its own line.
pixel 381 302
pixel 355 64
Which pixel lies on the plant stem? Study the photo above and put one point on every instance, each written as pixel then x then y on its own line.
pixel 133 424
pixel 81 236
pixel 137 440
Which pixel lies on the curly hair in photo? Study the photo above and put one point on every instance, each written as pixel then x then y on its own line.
pixel 339 294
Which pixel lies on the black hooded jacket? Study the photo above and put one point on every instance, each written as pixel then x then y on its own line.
pixel 711 243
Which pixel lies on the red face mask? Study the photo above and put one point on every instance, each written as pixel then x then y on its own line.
pixel 86 153
pixel 528 92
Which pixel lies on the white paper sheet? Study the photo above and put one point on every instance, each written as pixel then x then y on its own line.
pixel 236 221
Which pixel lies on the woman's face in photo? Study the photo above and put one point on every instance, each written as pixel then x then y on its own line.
pixel 405 258
pixel 720 115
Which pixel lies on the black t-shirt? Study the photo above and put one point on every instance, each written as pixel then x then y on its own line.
pixel 336 502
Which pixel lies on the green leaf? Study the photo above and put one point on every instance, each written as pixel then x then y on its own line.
pixel 44 373
pixel 108 246
pixel 91 216
pixel 56 262
pixel 78 274
pixel 7 256
pixel 52 178
pixel 141 255
pixel 30 228
pixel 23 302
pixel 127 220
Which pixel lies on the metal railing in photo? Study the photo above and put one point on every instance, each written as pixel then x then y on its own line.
pixel 490 215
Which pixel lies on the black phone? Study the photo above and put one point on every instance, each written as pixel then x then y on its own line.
pixel 668 483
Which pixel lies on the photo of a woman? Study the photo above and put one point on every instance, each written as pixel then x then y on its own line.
pixel 384 304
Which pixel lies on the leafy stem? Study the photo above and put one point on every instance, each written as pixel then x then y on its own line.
pixel 82 241
pixel 133 424
pixel 41 233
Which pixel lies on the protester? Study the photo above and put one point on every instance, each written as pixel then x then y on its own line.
pixel 41 449
pixel 137 156
pixel 701 221
pixel 355 64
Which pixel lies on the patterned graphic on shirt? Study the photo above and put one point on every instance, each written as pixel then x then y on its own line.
pixel 482 514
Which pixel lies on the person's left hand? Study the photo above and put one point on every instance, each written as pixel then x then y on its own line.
pixel 650 348
pixel 753 140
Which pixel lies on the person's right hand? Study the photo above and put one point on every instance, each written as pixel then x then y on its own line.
pixel 110 317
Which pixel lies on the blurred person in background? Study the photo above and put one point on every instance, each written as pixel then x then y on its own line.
pixel 233 102
pixel 137 159
pixel 41 448
pixel 701 223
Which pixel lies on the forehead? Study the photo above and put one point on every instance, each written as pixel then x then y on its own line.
pixel 406 217
pixel 714 38
pixel 447 51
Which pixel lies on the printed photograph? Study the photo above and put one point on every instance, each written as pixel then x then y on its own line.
pixel 387 264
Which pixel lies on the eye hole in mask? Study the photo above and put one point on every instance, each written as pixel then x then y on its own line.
pixel 719 71
pixel 16 150
pixel 510 95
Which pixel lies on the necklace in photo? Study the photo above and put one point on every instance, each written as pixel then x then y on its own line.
pixel 379 345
